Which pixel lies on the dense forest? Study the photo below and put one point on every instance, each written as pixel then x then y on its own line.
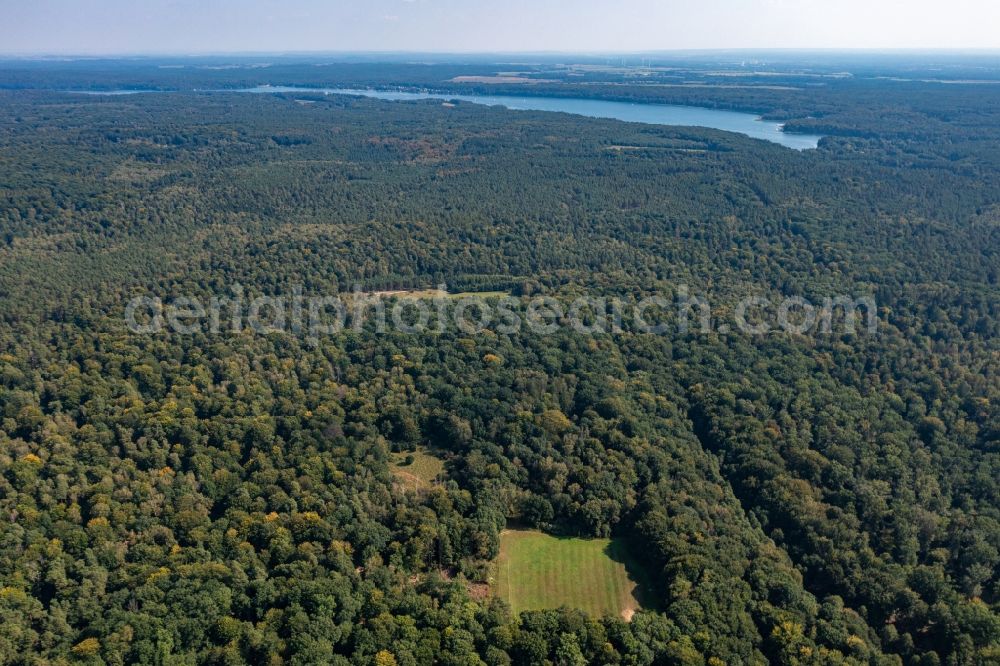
pixel 227 498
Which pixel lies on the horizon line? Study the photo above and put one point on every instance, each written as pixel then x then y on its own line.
pixel 986 50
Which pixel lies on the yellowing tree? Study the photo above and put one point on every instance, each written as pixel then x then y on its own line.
pixel 385 658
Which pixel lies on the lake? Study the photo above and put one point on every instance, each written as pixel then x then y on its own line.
pixel 654 114
pixel 748 124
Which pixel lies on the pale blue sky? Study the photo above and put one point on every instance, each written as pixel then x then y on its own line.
pixel 199 26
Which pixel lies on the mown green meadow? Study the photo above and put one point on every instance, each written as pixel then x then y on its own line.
pixel 537 571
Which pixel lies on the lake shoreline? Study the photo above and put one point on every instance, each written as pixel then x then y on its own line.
pixel 752 125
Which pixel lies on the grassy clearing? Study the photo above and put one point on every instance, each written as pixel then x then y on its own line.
pixel 536 571
pixel 479 294
pixel 419 474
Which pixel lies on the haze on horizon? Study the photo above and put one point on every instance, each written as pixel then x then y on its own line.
pixel 216 26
